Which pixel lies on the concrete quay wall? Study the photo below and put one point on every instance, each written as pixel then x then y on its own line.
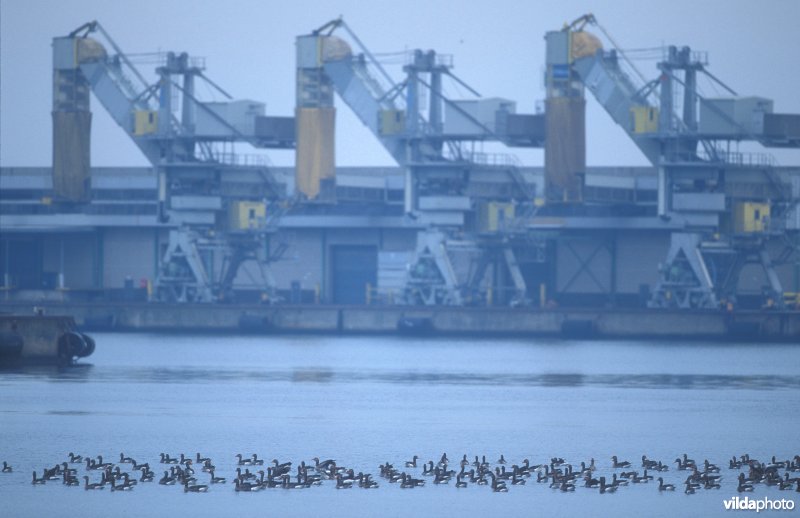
pixel 583 323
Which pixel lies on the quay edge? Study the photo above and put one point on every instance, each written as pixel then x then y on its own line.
pixel 742 325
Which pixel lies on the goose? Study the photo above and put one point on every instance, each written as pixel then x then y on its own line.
pixel 6 467
pixel 517 481
pixel 102 465
pixel 128 479
pixel 441 478
pixel 121 487
pixel 776 465
pixel 147 476
pixel 459 482
pixel 444 461
pixel 286 483
pixel 367 483
pixel 125 460
pixel 194 488
pixel 270 482
pixel 246 486
pixel 71 481
pixel 743 480
pixel 566 486
pixel 167 480
pixel 710 484
pixel 323 465
pixel 244 476
pixel 693 485
pixel 38 480
pixel 664 487
pixel 216 480
pixel 623 464
pixel 501 460
pixel 591 482
pixel 744 484
pixel 243 462
pixel 89 486
pixel 405 482
pixel 278 466
pixel 257 461
pixel 689 489
pixel 497 486
pixel 316 480
pixel 502 473
pixel 413 462
pixel 464 461
pixel 604 488
pixel 166 459
pixel 202 460
pixel 343 484
pixel 75 459
pixel 787 479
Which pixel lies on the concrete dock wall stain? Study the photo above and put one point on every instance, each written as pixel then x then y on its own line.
pixel 40 334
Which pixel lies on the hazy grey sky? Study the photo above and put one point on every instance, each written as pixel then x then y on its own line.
pixel 497 45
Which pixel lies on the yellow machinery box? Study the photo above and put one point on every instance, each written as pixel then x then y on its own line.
pixel 145 122
pixel 246 215
pixel 645 119
pixel 750 217
pixel 393 122
pixel 494 216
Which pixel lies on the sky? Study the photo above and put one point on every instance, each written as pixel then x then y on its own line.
pixel 498 48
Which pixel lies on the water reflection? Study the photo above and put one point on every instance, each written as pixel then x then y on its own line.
pixel 190 375
pixel 79 372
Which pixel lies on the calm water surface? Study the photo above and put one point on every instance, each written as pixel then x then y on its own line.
pixel 368 400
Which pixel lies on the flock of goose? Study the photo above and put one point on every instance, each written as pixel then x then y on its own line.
pixel 198 474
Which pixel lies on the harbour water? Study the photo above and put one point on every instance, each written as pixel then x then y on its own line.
pixel 367 400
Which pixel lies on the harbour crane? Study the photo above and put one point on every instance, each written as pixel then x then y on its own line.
pixel 726 204
pixel 434 146
pixel 213 201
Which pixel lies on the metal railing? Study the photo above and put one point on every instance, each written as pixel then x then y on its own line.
pixel 484 297
pixel 159 59
pixel 491 159
pixel 740 159
pixel 241 159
